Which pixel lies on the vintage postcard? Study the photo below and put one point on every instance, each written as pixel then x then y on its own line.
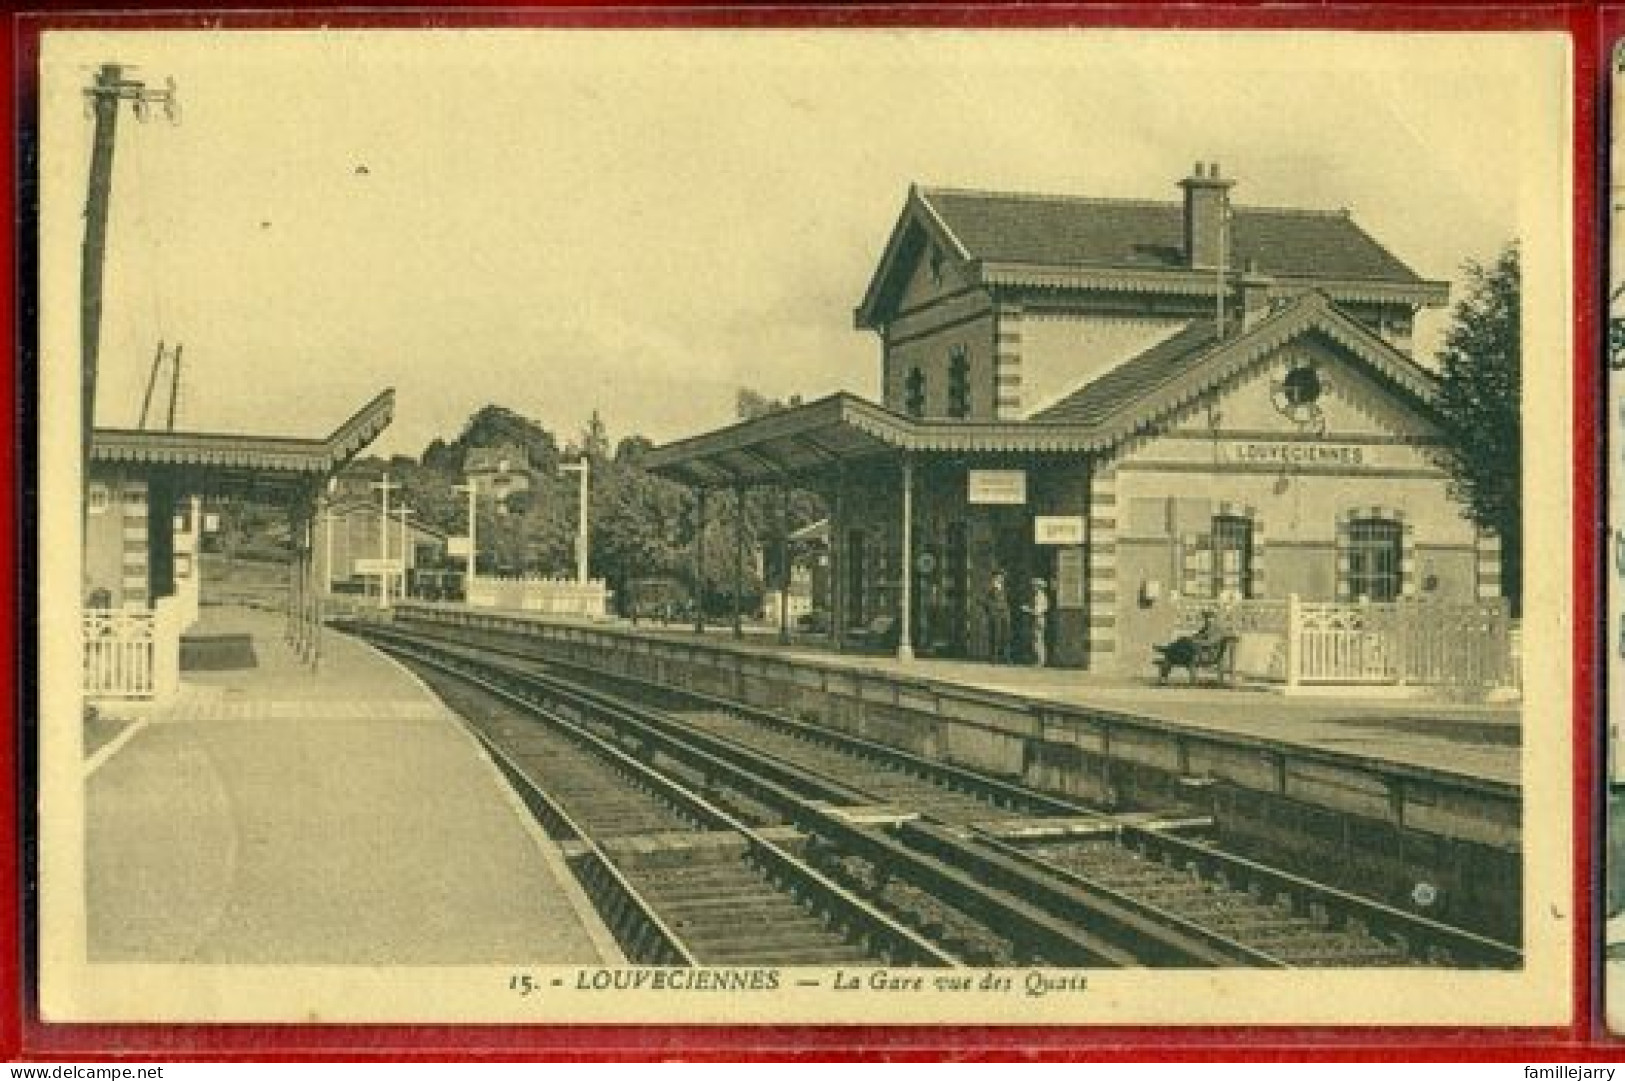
pixel 1613 770
pixel 859 526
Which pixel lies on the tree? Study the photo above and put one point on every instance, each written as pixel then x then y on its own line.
pixel 443 458
pixel 1480 379
pixel 595 439
pixel 496 426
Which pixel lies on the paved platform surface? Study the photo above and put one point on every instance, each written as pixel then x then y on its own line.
pixel 1478 740
pixel 275 816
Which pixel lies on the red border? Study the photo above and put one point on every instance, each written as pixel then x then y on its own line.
pixel 24 1036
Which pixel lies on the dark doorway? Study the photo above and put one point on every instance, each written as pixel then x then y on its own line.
pixel 956 575
pixel 857 613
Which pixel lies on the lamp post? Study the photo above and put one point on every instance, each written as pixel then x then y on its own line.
pixel 583 467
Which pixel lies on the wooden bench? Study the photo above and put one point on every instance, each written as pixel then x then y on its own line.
pixel 1189 654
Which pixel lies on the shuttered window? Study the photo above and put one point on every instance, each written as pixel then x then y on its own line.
pixel 1232 541
pixel 1374 554
pixel 914 393
pixel 958 383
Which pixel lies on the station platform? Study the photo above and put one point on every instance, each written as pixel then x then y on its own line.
pixel 272 815
pixel 1481 740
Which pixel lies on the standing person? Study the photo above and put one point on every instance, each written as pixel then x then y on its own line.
pixel 996 603
pixel 1038 621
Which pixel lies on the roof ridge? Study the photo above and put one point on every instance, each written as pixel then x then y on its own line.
pixel 1342 213
pixel 1047 197
pixel 1117 200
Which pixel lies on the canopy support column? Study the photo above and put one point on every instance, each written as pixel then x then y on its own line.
pixel 739 560
pixel 837 560
pixel 290 625
pixel 699 560
pixel 321 513
pixel 784 563
pixel 905 617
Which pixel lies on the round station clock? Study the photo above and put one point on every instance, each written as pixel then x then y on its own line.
pixel 1296 396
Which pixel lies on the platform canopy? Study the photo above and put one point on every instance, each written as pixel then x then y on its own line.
pixel 265 467
pixel 806 439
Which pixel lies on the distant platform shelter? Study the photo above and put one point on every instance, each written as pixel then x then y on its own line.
pixel 143 499
pixel 1135 408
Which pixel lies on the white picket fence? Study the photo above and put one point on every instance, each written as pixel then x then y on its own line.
pixel 132 654
pixel 1464 645
pixel 535 593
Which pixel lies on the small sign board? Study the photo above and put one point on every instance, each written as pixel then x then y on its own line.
pixel 1069 578
pixel 457 547
pixel 1058 529
pixel 378 566
pixel 1005 487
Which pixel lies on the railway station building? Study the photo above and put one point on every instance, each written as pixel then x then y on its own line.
pixel 1143 408
pixel 348 534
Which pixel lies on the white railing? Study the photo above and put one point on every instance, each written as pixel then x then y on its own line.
pixel 133 654
pixel 1465 645
pixel 119 659
pixel 534 593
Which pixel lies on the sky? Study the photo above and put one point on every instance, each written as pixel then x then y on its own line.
pixel 643 222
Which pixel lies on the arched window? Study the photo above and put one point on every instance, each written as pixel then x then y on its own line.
pixel 914 393
pixel 1375 551
pixel 1232 541
pixel 958 382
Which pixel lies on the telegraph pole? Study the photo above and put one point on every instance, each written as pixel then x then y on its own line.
pixel 473 492
pixel 403 512
pixel 152 381
pixel 385 487
pixel 583 467
pixel 174 385
pixel 105 94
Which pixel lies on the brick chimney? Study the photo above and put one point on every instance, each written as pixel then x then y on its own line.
pixel 1207 198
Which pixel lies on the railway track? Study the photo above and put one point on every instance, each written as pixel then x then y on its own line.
pixel 1149 896
pixel 679 880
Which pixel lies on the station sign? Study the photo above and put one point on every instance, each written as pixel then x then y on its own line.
pixel 378 566
pixel 1296 453
pixel 1058 529
pixel 1003 487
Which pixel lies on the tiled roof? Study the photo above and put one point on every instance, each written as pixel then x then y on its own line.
pixel 1056 230
pixel 1096 401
